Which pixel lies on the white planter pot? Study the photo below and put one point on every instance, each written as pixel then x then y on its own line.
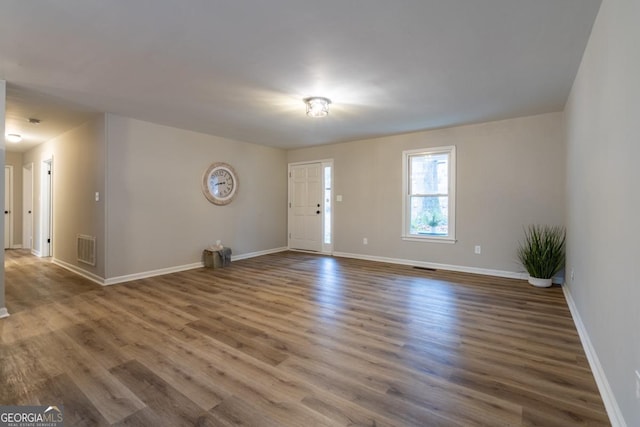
pixel 540 283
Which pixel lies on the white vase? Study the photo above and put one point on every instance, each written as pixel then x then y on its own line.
pixel 540 283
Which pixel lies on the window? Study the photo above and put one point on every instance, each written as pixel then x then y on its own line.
pixel 429 194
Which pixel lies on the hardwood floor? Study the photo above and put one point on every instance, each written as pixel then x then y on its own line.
pixel 294 339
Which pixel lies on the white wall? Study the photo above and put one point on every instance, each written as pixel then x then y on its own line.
pixel 510 173
pixel 78 172
pixel 603 134
pixel 3 97
pixel 157 216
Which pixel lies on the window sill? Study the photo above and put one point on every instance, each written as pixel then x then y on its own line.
pixel 429 239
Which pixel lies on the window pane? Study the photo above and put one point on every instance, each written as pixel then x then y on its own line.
pixel 429 215
pixel 429 174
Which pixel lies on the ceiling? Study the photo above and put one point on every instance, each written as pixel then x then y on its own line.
pixel 240 69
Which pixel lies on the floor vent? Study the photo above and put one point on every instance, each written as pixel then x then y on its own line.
pixel 424 268
pixel 86 249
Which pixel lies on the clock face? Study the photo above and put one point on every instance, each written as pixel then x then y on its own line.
pixel 220 183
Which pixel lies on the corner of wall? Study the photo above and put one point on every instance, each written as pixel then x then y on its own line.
pixel 3 97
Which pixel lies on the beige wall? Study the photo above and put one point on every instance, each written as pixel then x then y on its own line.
pixel 3 96
pixel 15 159
pixel 510 173
pixel 603 134
pixel 157 216
pixel 78 172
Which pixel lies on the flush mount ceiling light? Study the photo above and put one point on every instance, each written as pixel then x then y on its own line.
pixel 34 121
pixel 14 137
pixel 317 106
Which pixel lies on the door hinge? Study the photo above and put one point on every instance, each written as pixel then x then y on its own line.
pixel 289 174
pixel 48 240
pixel 289 204
pixel 48 172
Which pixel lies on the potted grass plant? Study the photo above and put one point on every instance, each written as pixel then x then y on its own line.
pixel 542 253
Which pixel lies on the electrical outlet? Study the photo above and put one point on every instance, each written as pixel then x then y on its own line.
pixel 572 275
pixel 478 249
pixel 637 384
pixel 365 241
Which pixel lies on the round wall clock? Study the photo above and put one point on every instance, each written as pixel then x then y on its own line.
pixel 220 183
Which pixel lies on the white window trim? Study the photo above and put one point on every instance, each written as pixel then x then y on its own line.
pixel 451 238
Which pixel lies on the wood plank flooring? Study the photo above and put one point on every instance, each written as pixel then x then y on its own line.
pixel 294 339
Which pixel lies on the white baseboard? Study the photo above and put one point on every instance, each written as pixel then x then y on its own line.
pixel 436 266
pixel 152 273
pixel 75 269
pixel 36 253
pixel 610 403
pixel 447 267
pixel 175 269
pixel 255 254
pixel 169 270
pixel 3 312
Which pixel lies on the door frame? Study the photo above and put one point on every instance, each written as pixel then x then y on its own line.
pixel 46 208
pixel 8 188
pixel 27 206
pixel 327 248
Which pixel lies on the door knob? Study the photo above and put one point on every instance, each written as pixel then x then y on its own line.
pixel 318 204
pixel 6 212
pixel 318 212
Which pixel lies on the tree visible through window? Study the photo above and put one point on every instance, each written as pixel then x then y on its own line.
pixel 429 195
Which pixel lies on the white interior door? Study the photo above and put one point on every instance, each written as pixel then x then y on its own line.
pixel 8 202
pixel 305 207
pixel 27 206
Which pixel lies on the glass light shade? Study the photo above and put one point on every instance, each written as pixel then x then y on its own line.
pixel 317 106
pixel 13 137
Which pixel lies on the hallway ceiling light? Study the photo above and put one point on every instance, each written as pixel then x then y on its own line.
pixel 317 106
pixel 14 137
